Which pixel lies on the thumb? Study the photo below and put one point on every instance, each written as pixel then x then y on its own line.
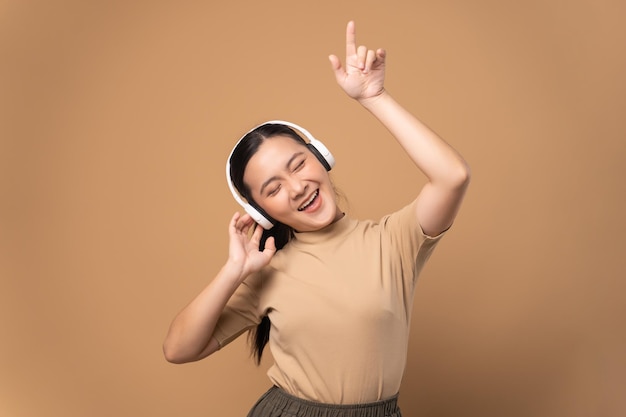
pixel 336 66
pixel 270 247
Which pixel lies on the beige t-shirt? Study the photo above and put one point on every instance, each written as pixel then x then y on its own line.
pixel 340 302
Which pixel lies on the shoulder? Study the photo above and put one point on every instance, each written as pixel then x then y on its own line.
pixel 403 233
pixel 406 219
pixel 403 218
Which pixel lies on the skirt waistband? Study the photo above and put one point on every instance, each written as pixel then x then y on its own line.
pixel 276 402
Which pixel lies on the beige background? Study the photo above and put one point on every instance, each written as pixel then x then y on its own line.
pixel 116 118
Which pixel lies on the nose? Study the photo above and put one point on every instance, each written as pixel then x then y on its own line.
pixel 297 188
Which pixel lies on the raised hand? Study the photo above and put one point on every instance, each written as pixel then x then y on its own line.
pixel 364 73
pixel 243 248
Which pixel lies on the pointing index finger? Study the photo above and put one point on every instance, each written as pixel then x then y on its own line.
pixel 350 39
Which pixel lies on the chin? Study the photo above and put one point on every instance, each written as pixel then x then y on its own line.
pixel 323 221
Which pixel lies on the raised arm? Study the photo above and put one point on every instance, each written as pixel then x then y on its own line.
pixel 362 78
pixel 190 336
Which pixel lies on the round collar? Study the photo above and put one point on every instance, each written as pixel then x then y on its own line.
pixel 332 231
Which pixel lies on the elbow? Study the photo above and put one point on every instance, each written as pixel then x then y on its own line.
pixel 467 174
pixel 179 353
pixel 171 355
pixel 461 176
pixel 174 355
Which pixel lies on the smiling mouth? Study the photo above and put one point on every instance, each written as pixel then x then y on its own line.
pixel 309 201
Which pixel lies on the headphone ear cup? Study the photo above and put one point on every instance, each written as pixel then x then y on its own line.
pixel 260 216
pixel 322 153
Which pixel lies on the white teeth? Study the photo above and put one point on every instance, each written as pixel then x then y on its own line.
pixel 310 200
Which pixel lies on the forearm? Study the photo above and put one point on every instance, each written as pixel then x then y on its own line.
pixel 441 164
pixel 192 329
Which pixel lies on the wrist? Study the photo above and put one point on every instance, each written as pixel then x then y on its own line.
pixel 372 101
pixel 232 271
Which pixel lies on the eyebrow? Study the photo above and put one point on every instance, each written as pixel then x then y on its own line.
pixel 274 178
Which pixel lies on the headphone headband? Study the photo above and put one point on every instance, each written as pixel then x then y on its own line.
pixel 319 150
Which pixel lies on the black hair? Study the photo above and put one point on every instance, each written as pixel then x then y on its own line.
pixel 282 233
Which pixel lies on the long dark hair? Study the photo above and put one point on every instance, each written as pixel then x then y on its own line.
pixel 282 233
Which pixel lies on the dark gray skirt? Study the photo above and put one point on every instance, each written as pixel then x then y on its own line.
pixel 277 403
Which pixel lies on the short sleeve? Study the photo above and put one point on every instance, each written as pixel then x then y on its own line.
pixel 405 241
pixel 241 312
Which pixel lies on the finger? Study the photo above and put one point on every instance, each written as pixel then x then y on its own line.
pixel 370 58
pixel 381 54
pixel 336 66
pixel 246 218
pixel 232 225
pixel 361 54
pixel 243 223
pixel 256 235
pixel 270 246
pixel 335 62
pixel 350 39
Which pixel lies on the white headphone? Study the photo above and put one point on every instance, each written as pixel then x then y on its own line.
pixel 315 146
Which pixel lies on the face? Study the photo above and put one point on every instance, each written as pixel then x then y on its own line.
pixel 291 185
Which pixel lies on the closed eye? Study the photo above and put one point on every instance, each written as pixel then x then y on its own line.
pixel 299 166
pixel 274 191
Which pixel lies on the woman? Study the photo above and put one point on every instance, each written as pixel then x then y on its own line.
pixel 332 295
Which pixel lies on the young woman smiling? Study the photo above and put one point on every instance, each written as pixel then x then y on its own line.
pixel 331 295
